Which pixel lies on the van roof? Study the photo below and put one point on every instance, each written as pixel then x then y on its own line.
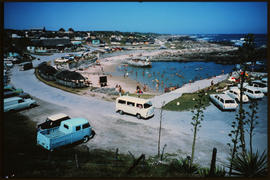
pixel 130 98
pixel 234 88
pixel 224 96
pixel 75 121
pixel 257 81
pixel 12 99
pixel 252 88
pixel 57 116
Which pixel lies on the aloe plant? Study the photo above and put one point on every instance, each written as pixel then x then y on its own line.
pixel 250 165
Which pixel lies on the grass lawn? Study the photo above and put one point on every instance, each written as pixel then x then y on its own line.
pixel 186 100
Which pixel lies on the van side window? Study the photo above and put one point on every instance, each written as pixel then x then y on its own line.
pixel 78 128
pixel 65 126
pixel 121 102
pixel 130 103
pixel 222 100
pixel 86 125
pixel 139 105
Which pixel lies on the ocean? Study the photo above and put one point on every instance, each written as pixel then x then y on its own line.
pixel 236 39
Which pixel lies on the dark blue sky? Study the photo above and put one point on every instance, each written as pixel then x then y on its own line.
pixel 159 17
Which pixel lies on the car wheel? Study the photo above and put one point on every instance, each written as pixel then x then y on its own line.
pixel 92 134
pixel 32 105
pixel 121 112
pixel 85 139
pixel 139 116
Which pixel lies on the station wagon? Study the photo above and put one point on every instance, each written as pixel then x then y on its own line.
pixel 17 103
pixel 223 101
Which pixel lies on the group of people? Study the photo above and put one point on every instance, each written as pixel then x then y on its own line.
pixel 139 91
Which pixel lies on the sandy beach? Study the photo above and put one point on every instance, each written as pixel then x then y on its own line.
pixel 109 65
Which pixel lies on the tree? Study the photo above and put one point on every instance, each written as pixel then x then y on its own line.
pixel 251 122
pixel 160 123
pixel 196 120
pixel 246 53
pixel 62 30
pixel 70 30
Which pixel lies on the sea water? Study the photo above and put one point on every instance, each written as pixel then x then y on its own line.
pixel 236 39
pixel 172 74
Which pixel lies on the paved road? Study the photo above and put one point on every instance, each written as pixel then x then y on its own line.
pixel 140 136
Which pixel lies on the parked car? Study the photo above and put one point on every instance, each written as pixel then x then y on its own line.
pixel 253 92
pixel 69 131
pixel 17 103
pixel 135 106
pixel 12 88
pixel 265 81
pixel 53 121
pixel 223 101
pixel 260 85
pixel 8 94
pixel 8 64
pixel 234 92
pixel 23 95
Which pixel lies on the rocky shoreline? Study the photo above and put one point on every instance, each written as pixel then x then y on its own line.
pixel 228 58
pixel 218 55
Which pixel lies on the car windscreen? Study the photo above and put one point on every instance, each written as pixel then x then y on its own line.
pixel 229 101
pixel 257 92
pixel 147 105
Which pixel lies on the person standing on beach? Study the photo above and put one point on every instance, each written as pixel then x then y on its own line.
pixel 120 90
pixel 138 87
pixel 144 87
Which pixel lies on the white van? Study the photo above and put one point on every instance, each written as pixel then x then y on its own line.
pixel 253 92
pixel 234 92
pixel 135 106
pixel 260 85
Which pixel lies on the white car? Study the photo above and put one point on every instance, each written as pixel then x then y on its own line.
pixel 260 85
pixel 265 80
pixel 244 85
pixel 234 92
pixel 224 101
pixel 253 92
pixel 17 103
